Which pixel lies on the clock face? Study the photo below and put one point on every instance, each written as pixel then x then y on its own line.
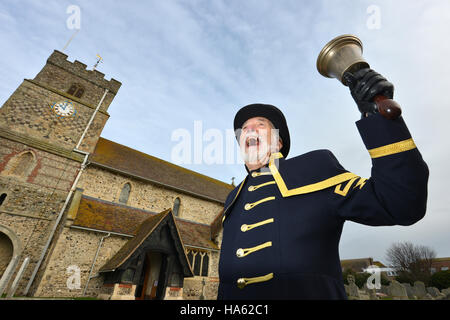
pixel 64 108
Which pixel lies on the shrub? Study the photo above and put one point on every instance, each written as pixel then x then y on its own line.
pixel 361 279
pixel 405 277
pixel 441 279
pixel 384 280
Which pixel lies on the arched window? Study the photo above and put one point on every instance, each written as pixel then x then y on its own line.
pixel 6 251
pixel 197 264
pixel 125 194
pixel 21 165
pixel 2 198
pixel 176 207
pixel 199 261
pixel 190 257
pixel 76 90
pixel 72 89
pixel 79 93
pixel 205 265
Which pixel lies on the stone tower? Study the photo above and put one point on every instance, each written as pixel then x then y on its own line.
pixel 48 127
pixel 56 106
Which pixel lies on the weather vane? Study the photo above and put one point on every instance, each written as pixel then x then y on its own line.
pixel 99 59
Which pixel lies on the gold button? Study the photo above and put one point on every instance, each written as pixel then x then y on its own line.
pixel 240 253
pixel 241 283
pixel 244 227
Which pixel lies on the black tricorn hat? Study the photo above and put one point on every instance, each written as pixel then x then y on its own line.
pixel 269 112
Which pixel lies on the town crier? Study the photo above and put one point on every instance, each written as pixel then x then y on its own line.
pixel 282 224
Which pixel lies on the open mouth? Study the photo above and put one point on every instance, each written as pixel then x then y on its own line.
pixel 252 142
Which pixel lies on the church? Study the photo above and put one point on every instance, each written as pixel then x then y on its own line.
pixel 83 216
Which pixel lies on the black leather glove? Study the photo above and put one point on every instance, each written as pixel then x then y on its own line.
pixel 364 85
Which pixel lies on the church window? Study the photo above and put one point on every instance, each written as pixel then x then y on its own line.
pixel 125 194
pixel 76 90
pixel 176 207
pixel 79 93
pixel 205 264
pixel 199 261
pixel 21 165
pixel 190 257
pixel 2 198
pixel 72 89
pixel 197 264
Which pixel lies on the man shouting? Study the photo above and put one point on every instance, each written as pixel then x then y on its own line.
pixel 282 224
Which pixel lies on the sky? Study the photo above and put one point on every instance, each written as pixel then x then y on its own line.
pixel 189 66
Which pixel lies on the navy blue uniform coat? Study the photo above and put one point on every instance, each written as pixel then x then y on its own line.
pixel 282 224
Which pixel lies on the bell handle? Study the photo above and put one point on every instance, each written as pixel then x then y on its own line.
pixel 388 108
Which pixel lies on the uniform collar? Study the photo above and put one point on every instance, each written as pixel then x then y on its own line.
pixel 273 156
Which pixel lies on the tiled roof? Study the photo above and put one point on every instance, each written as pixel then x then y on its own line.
pixel 116 156
pixel 356 264
pixel 108 216
pixel 127 250
pixel 441 259
pixel 145 229
pixel 379 264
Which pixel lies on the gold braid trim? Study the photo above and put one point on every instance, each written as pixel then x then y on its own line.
pixel 392 148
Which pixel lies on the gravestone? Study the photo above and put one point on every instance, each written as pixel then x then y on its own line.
pixel 409 291
pixel 363 295
pixel 433 291
pixel 397 291
pixel 370 292
pixel 428 297
pixel 441 296
pixel 353 292
pixel 446 292
pixel 384 289
pixel 419 290
pixel 373 295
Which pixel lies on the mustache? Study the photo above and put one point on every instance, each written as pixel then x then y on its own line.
pixel 253 138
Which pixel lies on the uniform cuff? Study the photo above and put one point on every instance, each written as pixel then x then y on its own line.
pixel 377 131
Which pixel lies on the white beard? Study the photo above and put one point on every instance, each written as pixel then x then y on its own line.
pixel 257 154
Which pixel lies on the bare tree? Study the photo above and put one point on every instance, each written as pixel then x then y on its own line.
pixel 411 261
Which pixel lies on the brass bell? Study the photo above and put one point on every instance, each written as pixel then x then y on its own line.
pixel 344 54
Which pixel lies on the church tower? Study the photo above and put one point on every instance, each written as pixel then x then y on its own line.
pixel 55 108
pixel 48 126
